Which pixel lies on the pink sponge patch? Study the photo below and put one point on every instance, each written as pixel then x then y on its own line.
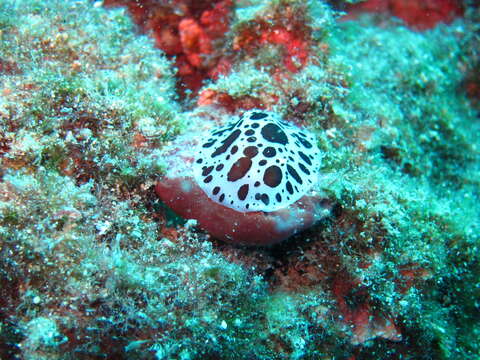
pixel 188 200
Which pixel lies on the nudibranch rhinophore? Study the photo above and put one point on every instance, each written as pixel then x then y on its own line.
pixel 250 182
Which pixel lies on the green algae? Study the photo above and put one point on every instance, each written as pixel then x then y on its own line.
pixel 82 257
pixel 72 89
pixel 422 169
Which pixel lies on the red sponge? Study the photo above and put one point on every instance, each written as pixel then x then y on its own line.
pixel 258 228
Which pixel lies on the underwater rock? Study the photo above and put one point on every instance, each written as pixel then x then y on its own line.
pixel 251 182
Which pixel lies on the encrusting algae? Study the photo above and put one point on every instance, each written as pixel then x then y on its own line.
pixel 104 109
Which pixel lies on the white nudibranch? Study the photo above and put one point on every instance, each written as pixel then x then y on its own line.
pixel 257 162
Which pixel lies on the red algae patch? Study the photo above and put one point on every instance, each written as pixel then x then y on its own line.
pixel 192 33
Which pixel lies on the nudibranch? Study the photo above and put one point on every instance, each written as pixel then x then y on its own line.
pixel 251 182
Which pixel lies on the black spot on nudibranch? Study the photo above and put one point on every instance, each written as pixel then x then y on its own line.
pixel 304 169
pixel 302 140
pixel 305 158
pixel 208 144
pixel 227 142
pixel 269 152
pixel 258 116
pixel 289 188
pixel 272 176
pixel 239 169
pixel 305 143
pixel 250 151
pixel 243 192
pixel 207 170
pixel 216 190
pixel 265 199
pixel 294 174
pixel 273 133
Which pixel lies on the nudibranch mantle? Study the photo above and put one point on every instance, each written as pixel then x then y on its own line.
pixel 257 162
